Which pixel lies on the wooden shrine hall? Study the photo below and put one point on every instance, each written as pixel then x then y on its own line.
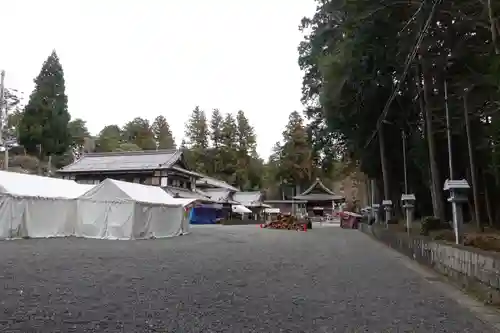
pixel 320 200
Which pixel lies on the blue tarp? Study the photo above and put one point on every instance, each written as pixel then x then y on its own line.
pixel 203 215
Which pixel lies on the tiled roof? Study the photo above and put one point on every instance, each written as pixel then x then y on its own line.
pixel 118 161
pixel 217 194
pixel 191 173
pixel 185 193
pixel 203 193
pixel 326 195
pixel 249 199
pixel 220 195
pixel 212 182
pixel 318 184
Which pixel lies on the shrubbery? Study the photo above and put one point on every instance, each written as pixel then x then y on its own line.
pixel 431 223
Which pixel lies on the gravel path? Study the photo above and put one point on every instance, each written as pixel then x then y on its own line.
pixel 220 279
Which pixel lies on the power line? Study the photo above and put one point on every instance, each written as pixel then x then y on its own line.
pixel 409 60
pixel 412 18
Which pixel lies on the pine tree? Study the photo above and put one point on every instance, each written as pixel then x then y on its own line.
pixel 162 133
pixel 44 124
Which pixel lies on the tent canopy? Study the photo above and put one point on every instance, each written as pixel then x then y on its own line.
pixel 240 209
pixel 272 211
pixel 20 184
pixel 121 210
pixel 203 215
pixel 116 190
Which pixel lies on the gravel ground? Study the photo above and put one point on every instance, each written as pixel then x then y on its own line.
pixel 220 279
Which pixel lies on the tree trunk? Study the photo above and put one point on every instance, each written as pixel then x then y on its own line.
pixel 487 198
pixel 493 27
pixel 472 165
pixel 437 198
pixel 383 162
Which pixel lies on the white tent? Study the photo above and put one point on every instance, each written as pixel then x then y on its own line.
pixel 240 209
pixel 121 210
pixel 35 206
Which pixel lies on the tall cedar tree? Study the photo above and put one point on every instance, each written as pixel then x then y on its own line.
pixel 44 124
pixel 296 153
pixel 197 135
pixel 246 151
pixel 229 146
pixel 162 133
pixel 216 137
pixel 353 56
pixel 216 128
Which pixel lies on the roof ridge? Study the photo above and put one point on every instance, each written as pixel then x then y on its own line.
pixel 253 192
pixel 167 157
pixel 319 183
pixel 135 152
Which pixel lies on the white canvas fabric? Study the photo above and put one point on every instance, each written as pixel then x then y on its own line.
pixel 120 210
pixel 20 184
pixel 35 206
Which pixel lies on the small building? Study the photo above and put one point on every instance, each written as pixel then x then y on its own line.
pixel 253 201
pixel 164 168
pixel 217 190
pixel 320 200
pixel 292 207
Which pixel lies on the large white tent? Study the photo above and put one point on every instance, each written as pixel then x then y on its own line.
pixel 121 210
pixel 35 206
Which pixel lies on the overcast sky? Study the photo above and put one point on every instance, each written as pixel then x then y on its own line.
pixel 128 58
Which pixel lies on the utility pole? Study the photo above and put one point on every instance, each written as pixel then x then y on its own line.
pixel 407 199
pixel 2 102
pixel 386 203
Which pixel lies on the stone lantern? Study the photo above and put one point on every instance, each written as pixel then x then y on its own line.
pixel 408 201
pixel 387 204
pixel 375 208
pixel 458 190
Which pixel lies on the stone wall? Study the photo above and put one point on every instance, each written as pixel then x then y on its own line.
pixel 473 270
